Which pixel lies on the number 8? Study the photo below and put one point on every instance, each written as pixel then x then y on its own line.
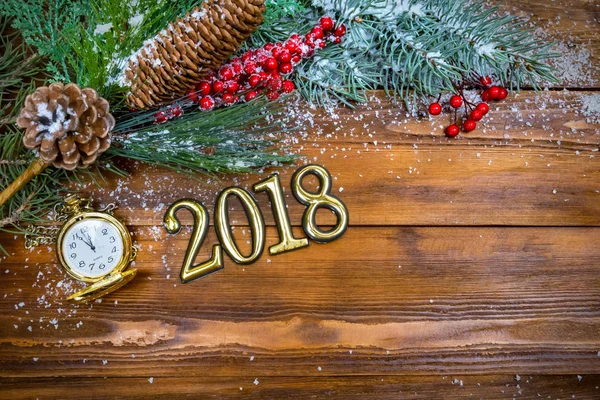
pixel 314 201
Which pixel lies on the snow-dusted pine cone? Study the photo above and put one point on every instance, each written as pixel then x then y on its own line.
pixel 67 125
pixel 189 48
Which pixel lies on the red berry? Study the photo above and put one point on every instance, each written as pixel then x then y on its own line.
pixel 485 95
pixel 276 52
pixel 295 36
pixel 317 32
pixel 284 56
pixel 485 80
pixel 435 109
pixel 503 93
pixel 296 59
pixel 264 76
pixel 268 46
pixel 203 87
pixel 292 47
pixel 483 108
pixel 288 86
pixel 262 57
pixel 310 43
pixel 322 44
pixel 192 95
pixel 469 125
pixel 228 98
pixel 326 23
pixel 254 80
pixel 456 101
pixel 176 112
pixel 271 64
pixel 250 68
pixel 275 84
pixel 340 31
pixel 217 87
pixel 494 92
pixel 237 68
pixel 250 95
pixel 272 95
pixel 206 103
pixel 160 117
pixel 226 73
pixel 452 130
pixel 476 115
pixel 286 68
pixel 232 86
pixel 247 56
pixel 337 40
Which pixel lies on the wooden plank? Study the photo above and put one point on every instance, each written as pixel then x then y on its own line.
pixel 573 26
pixel 535 166
pixel 465 300
pixel 581 387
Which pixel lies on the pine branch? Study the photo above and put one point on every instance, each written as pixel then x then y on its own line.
pixel 15 216
pixel 19 72
pixel 232 139
pixel 413 49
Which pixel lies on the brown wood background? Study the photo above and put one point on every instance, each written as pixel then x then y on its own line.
pixel 470 269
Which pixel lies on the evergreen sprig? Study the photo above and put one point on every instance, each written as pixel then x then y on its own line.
pixel 31 204
pixel 232 139
pixel 19 72
pixel 412 48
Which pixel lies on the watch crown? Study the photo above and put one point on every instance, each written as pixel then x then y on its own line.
pixel 73 204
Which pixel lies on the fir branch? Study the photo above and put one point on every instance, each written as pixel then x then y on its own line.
pixel 233 139
pixel 19 72
pixel 30 204
pixel 413 48
pixel 41 23
pixel 15 216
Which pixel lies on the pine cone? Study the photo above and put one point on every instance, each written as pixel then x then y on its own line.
pixel 189 49
pixel 67 125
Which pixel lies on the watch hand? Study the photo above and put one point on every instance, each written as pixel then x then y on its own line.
pixel 84 241
pixel 89 238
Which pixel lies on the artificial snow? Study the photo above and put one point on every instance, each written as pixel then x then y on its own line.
pixel 103 28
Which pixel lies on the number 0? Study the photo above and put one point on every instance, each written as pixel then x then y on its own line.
pixel 255 218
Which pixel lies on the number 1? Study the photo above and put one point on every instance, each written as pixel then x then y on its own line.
pixel 287 241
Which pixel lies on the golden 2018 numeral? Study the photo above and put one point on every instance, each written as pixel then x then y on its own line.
pixel 257 225
pixel 189 271
pixel 287 242
pixel 322 199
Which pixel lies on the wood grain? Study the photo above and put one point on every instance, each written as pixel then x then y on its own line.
pixel 409 300
pixel 535 166
pixel 374 387
pixel 470 268
pixel 573 26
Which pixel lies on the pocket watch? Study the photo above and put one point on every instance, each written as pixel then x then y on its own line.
pixel 92 246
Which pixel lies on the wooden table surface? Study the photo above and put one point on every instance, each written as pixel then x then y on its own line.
pixel 470 268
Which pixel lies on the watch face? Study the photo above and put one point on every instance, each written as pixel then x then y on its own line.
pixel 92 247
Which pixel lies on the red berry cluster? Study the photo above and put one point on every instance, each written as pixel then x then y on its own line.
pixel 262 70
pixel 473 113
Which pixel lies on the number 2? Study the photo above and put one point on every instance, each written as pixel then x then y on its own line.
pixel 189 271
